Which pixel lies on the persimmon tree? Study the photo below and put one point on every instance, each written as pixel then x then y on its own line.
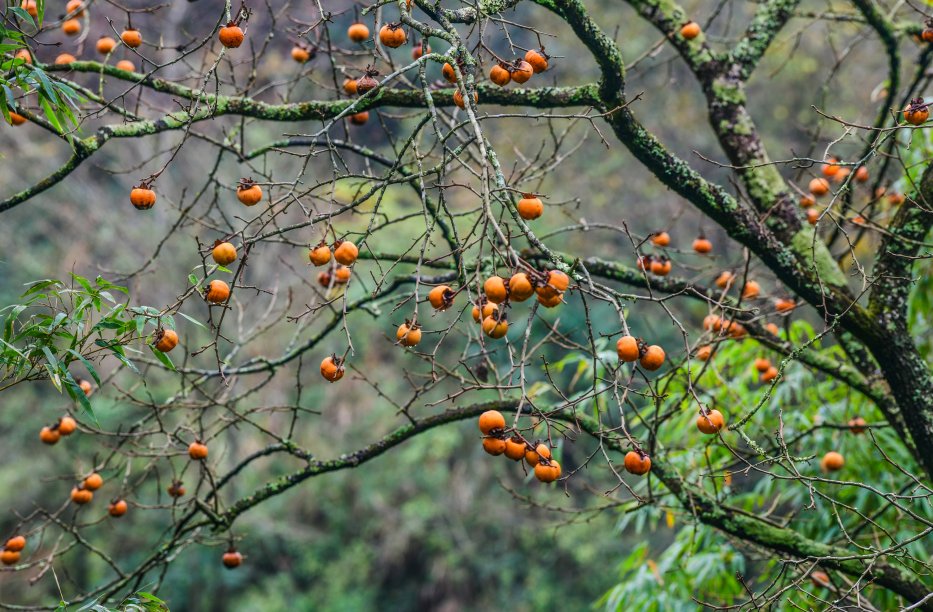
pixel 799 375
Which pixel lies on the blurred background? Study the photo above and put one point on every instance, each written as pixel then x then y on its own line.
pixel 434 524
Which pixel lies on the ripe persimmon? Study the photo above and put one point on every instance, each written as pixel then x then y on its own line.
pixel 142 197
pixel 9 557
pixel 301 54
pixel 93 482
pixel 392 35
pixel 495 289
pixel 661 266
pixel 557 283
pixel 74 8
pixel 448 72
pixel 751 290
pixel 345 252
pixel 690 30
pixel 166 340
pixel 494 446
pixel 552 301
pixel 49 435
pixel 531 456
pixel 176 489
pixel 131 38
pixel 217 291
pixel 419 49
pixel 711 422
pixel 71 27
pixel 232 559
pixel 342 275
pixel 441 297
pixel 637 463
pixel 86 387
pixel 81 496
pixel 349 86
pixel 819 579
pixel 117 508
pixel 65 58
pixel 916 112
pixel 408 334
pixel 224 253
pixel 520 287
pixel 16 119
pixel 126 66
pixel 521 71
pixel 367 82
pixel 489 309
pixel 231 35
pixel 784 304
pixel 16 543
pixel 515 448
pixel 458 99
pixel 704 352
pixel 652 358
pixel 768 375
pixel 857 425
pixel 197 451
pixel 773 329
pixel 547 472
pixel 832 462
pixel 24 55
pixel 491 422
pixel 819 186
pixel 628 349
pixel 359 118
pixel 830 167
pixel 105 45
pixel 320 255
pixel 861 174
pixel 31 7
pixel 248 192
pixel 806 201
pixel 660 239
pixel 762 364
pixel 724 279
pixel 530 207
pixel 537 59
pixel 499 75
pixel 67 425
pixel 495 327
pixel 332 368
pixel 702 245
pixel 358 32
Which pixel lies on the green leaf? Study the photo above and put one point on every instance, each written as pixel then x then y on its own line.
pixel 163 358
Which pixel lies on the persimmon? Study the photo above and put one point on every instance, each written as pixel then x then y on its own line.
pixel 494 327
pixel 31 7
pixel 515 448
pixel 9 557
pixel 520 287
pixel 24 55
pixel 806 201
pixel 197 451
pixel 320 255
pixel 458 99
pixel 232 559
pixel 637 463
pixel 16 119
pixel 65 58
pixel 408 334
pixel 49 435
pixel 342 275
pixel 916 112
pixel 761 364
pixel 661 266
pixel 349 86
pixel 217 291
pixel 71 27
pixel 494 446
pixel 166 340
pixel 248 192
pixel 16 543
pixel 345 252
pixel 530 207
pixel 711 422
pixel 537 59
pixel 300 53
pixel 117 508
pixel 712 322
pixel 81 496
pixel 819 186
pixel 67 425
pixel 690 30
pixel 830 167
pixel 224 253
pixel 521 71
pixel 735 329
pixel 489 309
pixel 360 118
pixel 332 368
pixel 126 66
pixel 857 425
pixel 773 329
pixel 495 289
pixel 704 352
pixel 841 176
pixel 420 49
pixel 367 82
pixel 392 35
pixel 832 462
pixel 724 279
pixel 142 197
pixel 547 472
pixel 628 349
pixel 358 32
pixel 768 375
pixel 93 482
pixel 652 357
pixel 751 290
pixel 441 297
pixel 75 8
pixel 896 199
pixel 557 283
pixel 861 174
pixel 660 239
pixel 86 387
pixel 819 579
pixel 813 216
pixel 531 456
pixel 552 301
pixel 543 451
pixel 499 75
pixel 784 305
pixel 176 489
pixel 490 422
pixel 702 245
pixel 927 34
pixel 231 35
pixel 105 45
pixel 131 38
